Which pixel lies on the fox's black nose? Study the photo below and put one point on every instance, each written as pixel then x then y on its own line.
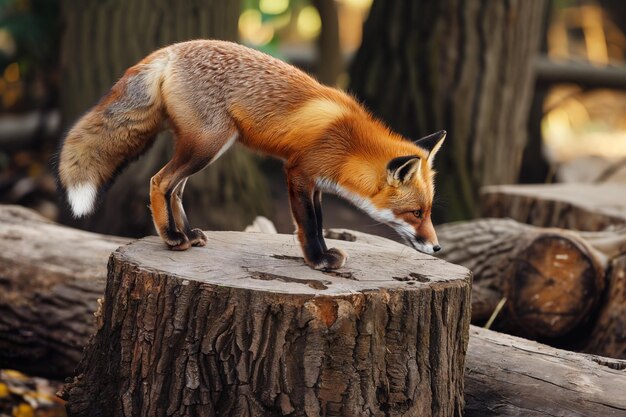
pixel 436 248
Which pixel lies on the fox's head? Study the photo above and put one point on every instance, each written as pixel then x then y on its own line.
pixel 405 200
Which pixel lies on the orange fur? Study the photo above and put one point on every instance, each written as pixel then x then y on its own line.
pixel 211 92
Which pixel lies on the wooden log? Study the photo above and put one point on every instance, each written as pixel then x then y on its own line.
pixel 587 207
pixel 492 385
pixel 551 278
pixel 513 377
pixel 50 280
pixel 554 280
pixel 244 327
pixel 608 337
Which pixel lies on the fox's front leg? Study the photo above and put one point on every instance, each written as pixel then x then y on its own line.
pixel 303 209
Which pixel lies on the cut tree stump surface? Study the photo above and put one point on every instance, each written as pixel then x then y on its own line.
pixel 244 324
pixel 274 263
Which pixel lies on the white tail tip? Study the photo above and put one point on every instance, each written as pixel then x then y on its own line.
pixel 82 198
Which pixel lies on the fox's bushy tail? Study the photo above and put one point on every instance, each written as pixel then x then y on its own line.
pixel 118 129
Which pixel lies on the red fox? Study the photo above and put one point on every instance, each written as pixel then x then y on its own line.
pixel 212 93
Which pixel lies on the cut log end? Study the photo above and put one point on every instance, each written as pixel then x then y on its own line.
pixel 243 321
pixel 555 281
pixel 552 279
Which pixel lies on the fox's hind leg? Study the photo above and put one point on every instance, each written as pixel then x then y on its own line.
pixel 192 153
pixel 161 187
pixel 196 236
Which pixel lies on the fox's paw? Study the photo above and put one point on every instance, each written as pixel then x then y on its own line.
pixel 333 258
pixel 197 237
pixel 177 241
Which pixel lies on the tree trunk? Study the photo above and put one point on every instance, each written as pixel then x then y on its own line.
pixel 460 65
pixel 242 328
pixel 511 377
pixel 51 278
pixel 330 62
pixel 587 207
pixel 554 280
pixel 100 41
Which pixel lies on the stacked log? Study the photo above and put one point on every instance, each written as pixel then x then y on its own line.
pixel 586 207
pixel 559 284
pixel 51 278
pixel 504 376
pixel 514 377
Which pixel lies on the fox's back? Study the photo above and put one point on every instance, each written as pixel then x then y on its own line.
pixel 218 81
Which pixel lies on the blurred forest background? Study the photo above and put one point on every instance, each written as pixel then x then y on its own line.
pixel 529 91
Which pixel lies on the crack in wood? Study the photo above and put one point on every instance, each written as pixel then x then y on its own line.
pixel 618 365
pixel 340 274
pixel 412 277
pixel 266 276
pixel 290 258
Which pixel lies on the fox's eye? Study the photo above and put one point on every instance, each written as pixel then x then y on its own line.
pixel 418 213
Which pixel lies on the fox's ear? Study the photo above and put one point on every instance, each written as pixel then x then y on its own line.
pixel 431 143
pixel 402 169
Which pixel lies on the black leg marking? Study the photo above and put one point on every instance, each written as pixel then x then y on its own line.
pixel 304 214
pixel 195 236
pixel 317 201
pixel 172 233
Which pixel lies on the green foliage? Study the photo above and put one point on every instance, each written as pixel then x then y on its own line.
pixel 33 26
pixel 29 40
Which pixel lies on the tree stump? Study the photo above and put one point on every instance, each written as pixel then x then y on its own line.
pixel 243 327
pixel 586 207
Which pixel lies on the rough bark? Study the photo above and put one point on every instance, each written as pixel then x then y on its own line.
pixel 555 281
pixel 587 207
pixel 242 328
pixel 459 65
pixel 608 337
pixel 100 41
pixel 512 377
pixel 330 59
pixel 50 280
